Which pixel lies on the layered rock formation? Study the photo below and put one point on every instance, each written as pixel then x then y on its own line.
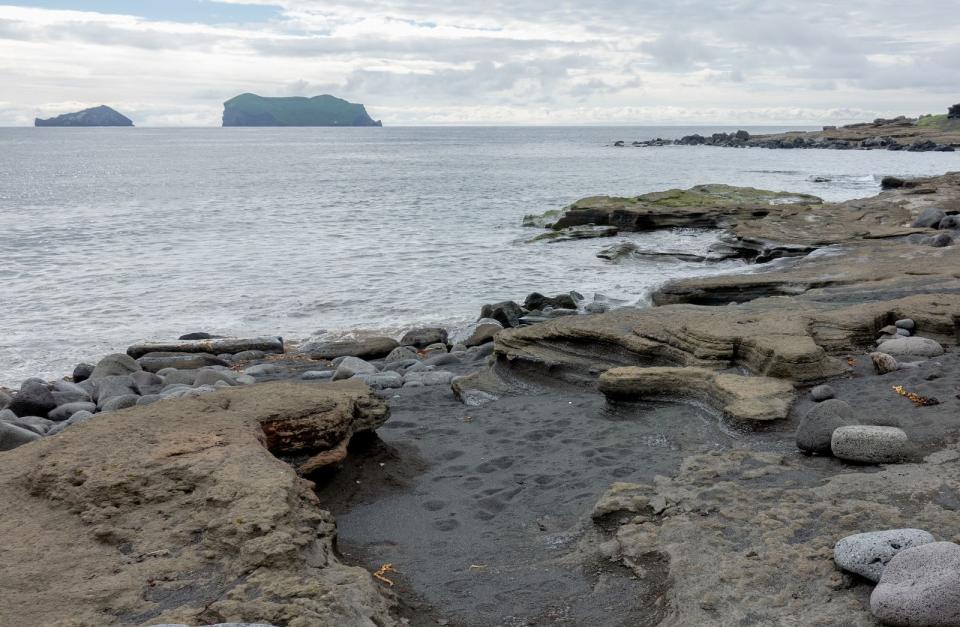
pixel 181 512
pixel 253 110
pixel 97 116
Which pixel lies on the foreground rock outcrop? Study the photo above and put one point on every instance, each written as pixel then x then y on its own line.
pixel 181 512
pixel 97 116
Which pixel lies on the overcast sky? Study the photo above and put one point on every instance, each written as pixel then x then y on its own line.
pixel 173 62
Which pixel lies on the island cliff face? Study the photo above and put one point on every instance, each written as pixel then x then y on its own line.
pixel 253 110
pixel 97 116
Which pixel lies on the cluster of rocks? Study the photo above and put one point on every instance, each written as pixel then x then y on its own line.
pixel 946 224
pixel 916 576
pixel 833 427
pixel 538 308
pixel 116 382
pixel 743 139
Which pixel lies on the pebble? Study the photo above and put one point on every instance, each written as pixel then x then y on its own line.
pixel 822 393
pixel 867 554
pixel 903 333
pixel 869 444
pixel 817 426
pixel 920 586
pixel 906 323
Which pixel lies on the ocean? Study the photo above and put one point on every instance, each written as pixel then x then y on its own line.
pixel 110 236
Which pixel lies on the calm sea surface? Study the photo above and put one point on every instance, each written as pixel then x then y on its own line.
pixel 109 236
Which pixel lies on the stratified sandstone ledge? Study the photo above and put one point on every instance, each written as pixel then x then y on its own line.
pixel 177 512
pixel 739 398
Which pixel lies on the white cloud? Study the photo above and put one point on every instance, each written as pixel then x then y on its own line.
pixel 489 61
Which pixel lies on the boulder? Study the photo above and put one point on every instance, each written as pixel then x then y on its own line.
pixel 920 586
pixel 212 377
pixel 110 387
pixel 116 403
pixel 736 397
pixel 816 427
pixel 427 379
pixel 421 338
pixel 869 444
pixel 115 365
pixel 155 362
pixel 444 359
pixel 929 218
pixel 822 393
pixel 941 240
pixel 33 399
pixel 507 313
pixel 216 346
pixel 147 382
pixel 82 372
pixel 31 423
pixel 906 323
pixel 401 353
pixel 380 380
pixel 352 366
pixel 884 363
pixel 867 554
pixel 912 347
pixel 5 400
pixel 366 348
pixel 12 436
pixel 63 412
pixel 480 332
pixel 539 301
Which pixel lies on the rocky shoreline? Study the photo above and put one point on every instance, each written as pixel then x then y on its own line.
pixel 175 478
pixel 924 134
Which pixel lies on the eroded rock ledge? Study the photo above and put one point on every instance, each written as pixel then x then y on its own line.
pixel 178 513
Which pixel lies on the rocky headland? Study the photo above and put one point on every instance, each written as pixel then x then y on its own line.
pixel 775 446
pixel 326 110
pixel 97 116
pixel 924 134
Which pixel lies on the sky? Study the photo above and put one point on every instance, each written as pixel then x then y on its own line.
pixel 746 62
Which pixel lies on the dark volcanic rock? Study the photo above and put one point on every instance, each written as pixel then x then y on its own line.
pixel 33 399
pixel 954 112
pixel 539 301
pixel 366 348
pixel 82 372
pixel 98 116
pixel 507 313
pixel 422 338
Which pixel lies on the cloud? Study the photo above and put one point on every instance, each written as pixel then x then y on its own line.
pixel 533 61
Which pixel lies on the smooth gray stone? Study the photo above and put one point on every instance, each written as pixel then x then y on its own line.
pixel 816 428
pixel 912 347
pixel 147 382
pixel 424 337
pixel 149 399
pixel 906 323
pixel 480 332
pixel 32 399
pixel 215 346
pixel 443 360
pixel 920 586
pixel 182 377
pixel 401 353
pixel 263 370
pixel 156 362
pixel 82 372
pixel 480 352
pixel 116 365
pixel 249 355
pixel 62 398
pixel 5 399
pixel 884 363
pixel 32 423
pixel 63 412
pixel 867 554
pixel 380 380
pixel 6 415
pixel 869 444
pixel 317 375
pixel 12 436
pixel 117 403
pixel 929 218
pixel 417 367
pixel 941 240
pixel 110 387
pixel 903 333
pixel 822 393
pixel 211 377
pixel 366 348
pixel 507 313
pixel 67 386
pixel 401 366
pixel 597 308
pixel 245 379
pixel 352 366
pixel 427 379
pixel 77 418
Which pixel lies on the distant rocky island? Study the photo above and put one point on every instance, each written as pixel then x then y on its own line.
pixel 928 133
pixel 97 116
pixel 326 110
